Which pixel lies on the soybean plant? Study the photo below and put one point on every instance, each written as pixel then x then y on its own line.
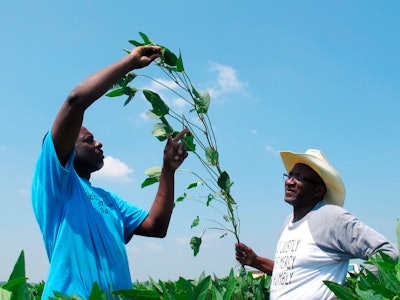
pixel 201 140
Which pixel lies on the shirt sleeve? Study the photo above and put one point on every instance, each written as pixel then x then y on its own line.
pixel 50 189
pixel 132 216
pixel 345 237
pixel 50 177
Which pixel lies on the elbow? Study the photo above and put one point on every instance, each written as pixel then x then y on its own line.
pixel 75 99
pixel 161 233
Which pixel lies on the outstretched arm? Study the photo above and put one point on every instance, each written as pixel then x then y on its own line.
pixel 69 119
pixel 157 222
pixel 246 256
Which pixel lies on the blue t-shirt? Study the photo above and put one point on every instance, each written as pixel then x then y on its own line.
pixel 84 228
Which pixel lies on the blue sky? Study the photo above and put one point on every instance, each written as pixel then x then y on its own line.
pixel 283 75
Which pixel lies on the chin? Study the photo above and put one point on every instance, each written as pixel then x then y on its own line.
pixel 99 166
pixel 289 200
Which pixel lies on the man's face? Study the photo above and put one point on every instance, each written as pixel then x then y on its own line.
pixel 88 154
pixel 304 187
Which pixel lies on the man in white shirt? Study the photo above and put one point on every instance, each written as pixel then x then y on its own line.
pixel 319 237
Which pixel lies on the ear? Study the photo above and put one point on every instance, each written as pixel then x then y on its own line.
pixel 320 191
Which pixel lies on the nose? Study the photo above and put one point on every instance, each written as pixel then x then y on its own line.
pixel 290 180
pixel 98 144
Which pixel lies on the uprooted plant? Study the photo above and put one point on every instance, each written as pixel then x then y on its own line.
pixel 201 140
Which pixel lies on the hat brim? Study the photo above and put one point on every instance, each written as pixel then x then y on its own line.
pixel 336 192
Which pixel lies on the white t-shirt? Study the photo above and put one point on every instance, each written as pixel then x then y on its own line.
pixel 317 248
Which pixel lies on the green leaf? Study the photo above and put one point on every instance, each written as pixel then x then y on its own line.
pixel 129 99
pixel 212 156
pixel 151 115
pixel 116 93
pixel 341 291
pixel 195 222
pixel 136 43
pixel 156 285
pixel 188 140
pixel 12 284
pixel 195 243
pixel 179 64
pixel 224 182
pixel 386 293
pixel 124 80
pixel 367 295
pixel 130 90
pixel 202 101
pixel 153 172
pixel 181 198
pixel 19 267
pixel 146 39
pixel 161 131
pixel 185 287
pixel 203 288
pixel 195 184
pixel 159 107
pixel 169 57
pixel 230 290
pixel 165 293
pixel 17 281
pixel 138 293
pixel 97 293
pixel 216 294
pixel 149 181
pixel 210 197
pixel 169 127
pixel 128 78
pixel 4 294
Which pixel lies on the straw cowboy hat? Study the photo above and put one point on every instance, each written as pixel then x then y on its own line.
pixel 316 160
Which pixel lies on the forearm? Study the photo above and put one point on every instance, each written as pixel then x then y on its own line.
pixel 157 222
pixel 69 119
pixel 96 85
pixel 263 264
pixel 161 210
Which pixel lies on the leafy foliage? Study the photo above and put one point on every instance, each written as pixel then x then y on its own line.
pixel 243 286
pixel 17 286
pixel 201 139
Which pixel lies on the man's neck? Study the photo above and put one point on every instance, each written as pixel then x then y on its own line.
pixel 84 175
pixel 301 212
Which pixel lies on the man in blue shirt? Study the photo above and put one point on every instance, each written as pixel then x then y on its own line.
pixel 85 228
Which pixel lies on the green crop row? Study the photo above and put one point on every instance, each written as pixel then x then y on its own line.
pixel 365 285
pixel 385 284
pixel 241 286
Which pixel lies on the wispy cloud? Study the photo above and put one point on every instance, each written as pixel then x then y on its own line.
pixel 115 170
pixel 153 247
pixel 227 80
pixel 145 247
pixel 270 149
pixel 254 131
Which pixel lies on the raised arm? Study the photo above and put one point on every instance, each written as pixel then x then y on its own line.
pixel 157 222
pixel 69 119
pixel 246 256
